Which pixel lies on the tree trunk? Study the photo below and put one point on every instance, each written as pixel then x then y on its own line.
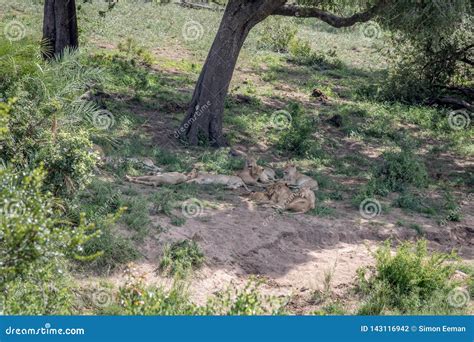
pixel 59 27
pixel 204 116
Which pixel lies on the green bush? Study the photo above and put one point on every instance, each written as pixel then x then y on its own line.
pixel 411 281
pixel 181 257
pixel 301 53
pixel 297 138
pixel 35 246
pixel 276 34
pixel 30 232
pixel 69 160
pixel 17 60
pixel 411 80
pixel 245 302
pixel 135 298
pixel 415 202
pixel 300 49
pixel 49 121
pixel 400 169
pixel 48 290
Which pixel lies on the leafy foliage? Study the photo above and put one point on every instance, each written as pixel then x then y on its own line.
pixel 181 257
pixel 30 232
pixel 49 122
pixel 400 169
pixel 276 34
pixel 296 139
pixel 412 281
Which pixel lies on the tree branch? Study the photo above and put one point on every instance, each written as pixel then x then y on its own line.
pixel 331 19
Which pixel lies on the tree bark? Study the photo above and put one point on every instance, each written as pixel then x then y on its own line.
pixel 204 116
pixel 59 27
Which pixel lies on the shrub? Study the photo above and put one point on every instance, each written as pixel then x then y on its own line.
pixel 276 34
pixel 297 138
pixel 400 169
pixel 30 232
pixel 135 298
pixel 411 281
pixel 48 290
pixel 301 53
pixel 69 161
pixel 181 257
pixel 49 121
pixel 300 49
pixel 245 302
pixel 35 245
pixel 415 202
pixel 17 60
pixel 410 79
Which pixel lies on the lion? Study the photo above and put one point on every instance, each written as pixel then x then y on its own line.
pixel 167 178
pixel 279 193
pixel 298 180
pixel 252 173
pixel 304 201
pixel 231 182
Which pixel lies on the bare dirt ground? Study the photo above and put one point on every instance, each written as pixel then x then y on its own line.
pixel 291 254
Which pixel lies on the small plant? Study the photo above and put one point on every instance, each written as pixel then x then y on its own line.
pixel 398 171
pixel 302 54
pixel 136 298
pixel 411 281
pixel 245 302
pixel 181 257
pixel 322 211
pixel 178 221
pixel 415 202
pixel 416 227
